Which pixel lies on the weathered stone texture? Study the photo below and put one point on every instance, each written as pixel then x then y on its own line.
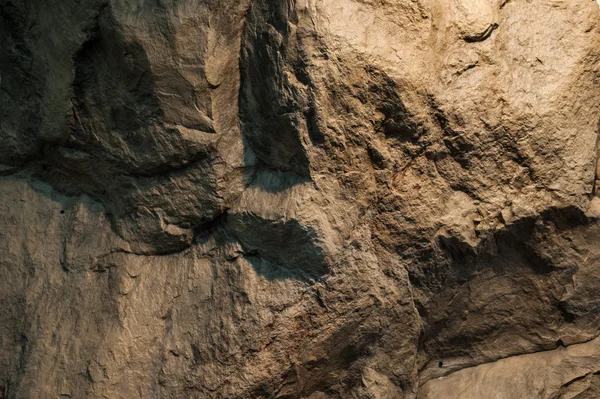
pixel 299 199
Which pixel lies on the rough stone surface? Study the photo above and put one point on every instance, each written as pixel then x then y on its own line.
pixel 367 199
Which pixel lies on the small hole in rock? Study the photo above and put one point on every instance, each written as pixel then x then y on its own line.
pixel 441 364
pixel 44 167
pixel 62 211
pixel 560 343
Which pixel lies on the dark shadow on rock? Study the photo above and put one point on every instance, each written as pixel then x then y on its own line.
pixel 456 262
pixel 270 104
pixel 488 295
pixel 272 271
pixel 272 248
pixel 115 107
pixel 295 247
pixel 20 85
pixel 398 123
pixel 121 151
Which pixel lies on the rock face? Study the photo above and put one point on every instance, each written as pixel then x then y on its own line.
pixel 299 199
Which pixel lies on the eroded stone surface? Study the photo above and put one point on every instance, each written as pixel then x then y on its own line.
pixel 561 373
pixel 299 199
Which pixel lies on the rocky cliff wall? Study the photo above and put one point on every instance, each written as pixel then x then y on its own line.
pixel 299 199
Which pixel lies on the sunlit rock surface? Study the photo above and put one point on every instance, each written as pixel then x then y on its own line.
pixel 299 199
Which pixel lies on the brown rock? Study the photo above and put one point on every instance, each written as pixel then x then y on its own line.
pixel 299 199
